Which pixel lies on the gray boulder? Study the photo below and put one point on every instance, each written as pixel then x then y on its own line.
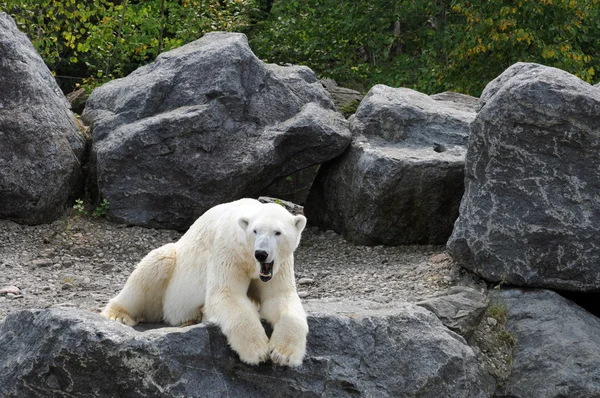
pixel 459 308
pixel 204 124
pixel 556 352
pixel 530 215
pixel 41 148
pixel 401 180
pixel 366 351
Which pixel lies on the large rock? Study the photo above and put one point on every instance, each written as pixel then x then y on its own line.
pixel 401 180
pixel 556 352
pixel 366 351
pixel 204 124
pixel 531 212
pixel 41 148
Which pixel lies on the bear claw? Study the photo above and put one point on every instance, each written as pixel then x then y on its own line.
pixel 281 359
pixel 118 314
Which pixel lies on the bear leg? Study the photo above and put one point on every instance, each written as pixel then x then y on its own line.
pixel 288 340
pixel 142 296
pixel 239 321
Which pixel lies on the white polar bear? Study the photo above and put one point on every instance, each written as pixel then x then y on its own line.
pixel 233 266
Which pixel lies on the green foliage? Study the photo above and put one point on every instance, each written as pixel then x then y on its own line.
pixel 430 46
pixel 492 35
pixel 356 43
pixel 507 338
pixel 349 108
pixel 91 42
pixel 499 312
pixel 101 209
pixel 79 207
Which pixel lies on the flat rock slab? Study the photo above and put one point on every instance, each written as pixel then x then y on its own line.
pixel 206 123
pixel 460 308
pixel 353 350
pixel 530 215
pixel 556 352
pixel 401 180
pixel 41 149
pixel 460 101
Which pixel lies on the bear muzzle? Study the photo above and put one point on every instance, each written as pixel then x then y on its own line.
pixel 266 268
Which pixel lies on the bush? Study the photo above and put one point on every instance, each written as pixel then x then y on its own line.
pixel 354 42
pixel 427 45
pixel 89 42
pixel 490 36
pixel 430 46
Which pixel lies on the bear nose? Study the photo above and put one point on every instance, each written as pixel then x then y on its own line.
pixel 261 255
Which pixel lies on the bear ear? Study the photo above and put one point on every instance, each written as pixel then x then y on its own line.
pixel 300 222
pixel 243 223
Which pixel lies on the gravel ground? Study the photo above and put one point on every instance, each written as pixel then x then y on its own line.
pixel 83 262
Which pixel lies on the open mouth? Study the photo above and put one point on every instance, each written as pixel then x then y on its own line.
pixel 266 271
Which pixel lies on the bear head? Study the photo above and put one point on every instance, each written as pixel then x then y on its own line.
pixel 273 233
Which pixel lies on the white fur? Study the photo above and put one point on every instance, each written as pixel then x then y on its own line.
pixel 211 271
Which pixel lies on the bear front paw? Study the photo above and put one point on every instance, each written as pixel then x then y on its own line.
pixel 117 313
pixel 288 354
pixel 253 352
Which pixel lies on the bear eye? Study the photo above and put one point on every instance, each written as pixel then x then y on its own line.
pixel 255 232
pixel 277 233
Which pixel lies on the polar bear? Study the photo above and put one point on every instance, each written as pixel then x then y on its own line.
pixel 234 266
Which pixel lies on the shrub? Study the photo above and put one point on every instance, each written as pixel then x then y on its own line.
pixel 89 42
pixel 430 45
